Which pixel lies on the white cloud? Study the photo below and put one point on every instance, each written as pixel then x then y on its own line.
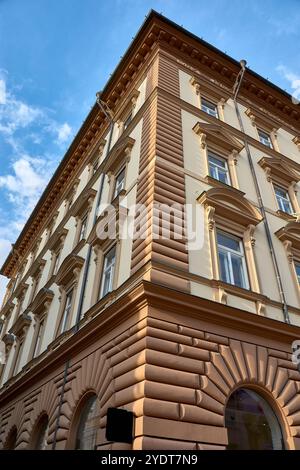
pixel 2 91
pixel 63 133
pixel 294 80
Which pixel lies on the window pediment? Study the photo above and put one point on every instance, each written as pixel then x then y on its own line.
pixel 42 301
pixel 277 170
pixel 37 267
pixel 215 135
pixel 20 290
pixel 7 309
pixel 230 205
pixel 83 203
pixel 8 340
pixel 261 120
pixel 121 149
pixel 289 235
pixel 209 91
pixel 21 325
pixel 69 269
pixel 57 239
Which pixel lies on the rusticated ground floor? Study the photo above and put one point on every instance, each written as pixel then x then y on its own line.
pixel 173 359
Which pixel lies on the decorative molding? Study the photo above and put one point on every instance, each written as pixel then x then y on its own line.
pixel 289 235
pixel 215 135
pixel 69 269
pixel 21 325
pixel 212 92
pixel 42 302
pixel 296 141
pixel 121 150
pixel 8 340
pixel 276 169
pixel 262 121
pixel 230 205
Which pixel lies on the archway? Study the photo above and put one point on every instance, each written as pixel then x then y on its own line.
pixel 83 431
pixel 40 434
pixel 11 440
pixel 251 422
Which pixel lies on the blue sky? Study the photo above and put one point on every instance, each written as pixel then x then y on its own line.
pixel 55 55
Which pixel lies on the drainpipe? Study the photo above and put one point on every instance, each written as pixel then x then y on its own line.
pixel 108 115
pixel 236 89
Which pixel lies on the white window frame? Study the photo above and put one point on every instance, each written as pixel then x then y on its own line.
pixel 280 199
pixel 67 311
pixel 265 138
pixel 38 339
pixel 108 269
pixel 119 185
pixel 83 227
pixel 229 252
pixel 216 167
pixel 206 107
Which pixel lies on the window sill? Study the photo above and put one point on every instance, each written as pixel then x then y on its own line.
pixel 247 294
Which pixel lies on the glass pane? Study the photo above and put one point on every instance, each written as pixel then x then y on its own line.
pixel 88 425
pixel 228 242
pixel 238 271
pixel 217 161
pixel 224 267
pixel 251 423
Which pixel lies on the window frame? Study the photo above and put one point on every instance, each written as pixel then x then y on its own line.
pixel 262 140
pixel 210 105
pixel 111 281
pixel 64 321
pixel 218 157
pixel 229 254
pixel 280 198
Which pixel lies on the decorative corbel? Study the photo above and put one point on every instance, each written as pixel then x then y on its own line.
pixel 222 103
pixel 296 141
pixel 127 153
pixel 233 156
pixel 61 291
pixel 76 272
pixel 211 217
pixel 288 248
pixel 220 295
pixel 268 174
pixel 195 83
pixel 202 140
pixel 249 234
pixel 109 174
pixel 260 308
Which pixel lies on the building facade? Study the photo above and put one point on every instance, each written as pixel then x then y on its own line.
pixel 193 335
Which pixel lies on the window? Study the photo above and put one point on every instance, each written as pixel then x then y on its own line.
pixel 83 227
pixel 283 200
pixel 108 272
pixel 209 108
pixel 119 183
pixel 127 121
pixel 38 339
pixel 232 263
pixel 251 423
pixel 297 269
pixel 218 168
pixel 88 424
pixel 95 166
pixel 41 434
pixel 66 313
pixel 18 357
pixel 265 138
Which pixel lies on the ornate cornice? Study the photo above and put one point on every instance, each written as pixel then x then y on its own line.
pixel 57 239
pixel 83 203
pixel 122 149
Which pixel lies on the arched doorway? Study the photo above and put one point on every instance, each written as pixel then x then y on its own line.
pixel 40 434
pixel 251 422
pixel 86 424
pixel 11 440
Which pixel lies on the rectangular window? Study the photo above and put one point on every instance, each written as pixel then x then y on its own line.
pixel 233 269
pixel 38 339
pixel 83 227
pixel 218 168
pixel 265 138
pixel 18 358
pixel 66 314
pixel 127 121
pixel 297 268
pixel 57 261
pixel 209 108
pixel 108 272
pixel 283 200
pixel 119 183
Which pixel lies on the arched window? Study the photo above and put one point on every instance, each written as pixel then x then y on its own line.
pixel 251 423
pixel 40 434
pixel 86 432
pixel 11 440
